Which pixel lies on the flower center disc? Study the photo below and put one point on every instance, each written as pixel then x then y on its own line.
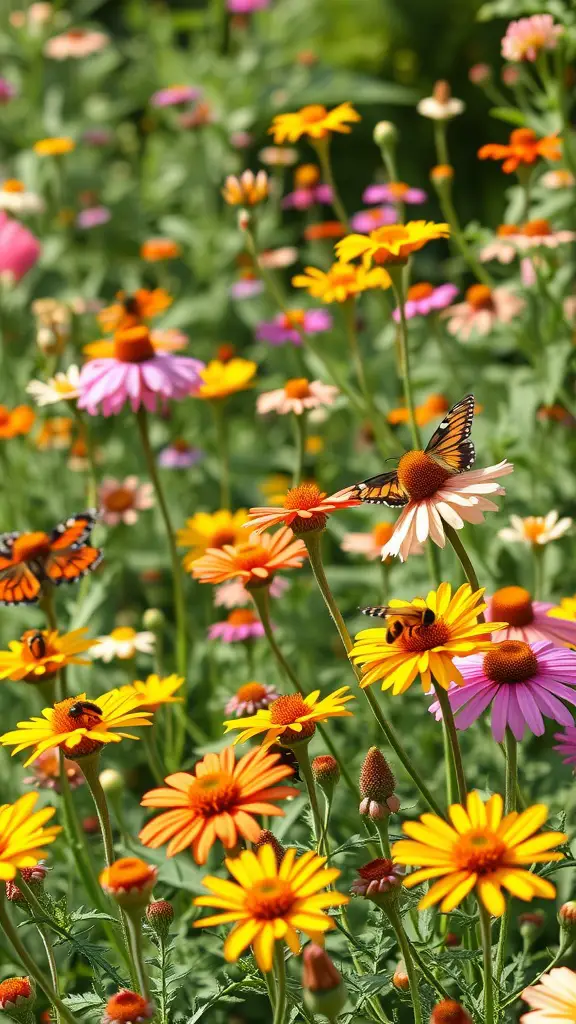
pixel 242 617
pixel 479 296
pixel 397 189
pixel 523 137
pixel 376 869
pixel 536 228
pixel 511 661
pixel 420 291
pixel 119 500
pixel 292 319
pixel 220 538
pixel 505 230
pixel 478 851
pixel 424 638
pixel 270 898
pixel 213 793
pixel 133 345
pixel 128 873
pixel 313 113
pixel 420 475
pixel 512 605
pixel 30 545
pixel 287 710
pixel 298 387
pixel 123 633
pixel 63 722
pixel 251 692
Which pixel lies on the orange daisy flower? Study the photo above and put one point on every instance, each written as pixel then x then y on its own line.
pixel 324 229
pixel 255 562
pixel 218 801
pixel 155 249
pixel 131 310
pixel 523 149
pixel 305 508
pixel 15 421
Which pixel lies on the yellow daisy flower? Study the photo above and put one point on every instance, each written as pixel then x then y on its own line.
pixel 393 244
pixel 341 281
pixel 40 653
pixel 223 379
pixel 211 530
pixel 292 718
pixel 155 690
pixel 270 902
pixel 54 146
pixel 23 836
pixel 315 121
pixel 78 726
pixel 426 650
pixel 565 610
pixel 480 850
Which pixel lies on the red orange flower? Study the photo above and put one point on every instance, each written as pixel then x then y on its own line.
pixel 305 508
pixel 255 562
pixel 523 149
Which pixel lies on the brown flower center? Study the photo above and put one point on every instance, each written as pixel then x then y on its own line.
pixel 269 898
pixel 297 387
pixel 442 91
pixel 313 113
pixel 213 793
pixel 133 345
pixel 420 291
pixel 287 710
pixel 13 988
pixel 420 475
pixel 536 228
pixel 479 296
pixel 375 869
pixel 305 497
pixel 479 851
pixel 425 638
pixel 71 714
pixel 29 546
pixel 127 1006
pixel 513 605
pixel 119 500
pixel 241 617
pixel 181 446
pixel 250 556
pixel 251 692
pixel 225 535
pixel 511 661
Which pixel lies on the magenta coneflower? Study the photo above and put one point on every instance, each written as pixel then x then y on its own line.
pixel 424 298
pixel 528 620
pixel 394 192
pixel 175 95
pixel 241 624
pixel 136 373
pixel 179 455
pixel 289 326
pixel 250 698
pixel 524 683
pixel 567 744
pixel 366 220
pixel 93 217
pixel 304 198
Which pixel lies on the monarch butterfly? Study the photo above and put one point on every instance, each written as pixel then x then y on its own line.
pixel 27 560
pixel 406 617
pixel 449 446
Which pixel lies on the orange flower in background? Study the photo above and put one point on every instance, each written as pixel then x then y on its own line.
pixel 55 433
pixel 54 146
pixel 247 190
pixel 325 229
pixel 217 801
pixel 153 250
pixel 306 508
pixel 131 310
pixel 254 563
pixel 434 406
pixel 14 422
pixel 315 121
pixel 523 149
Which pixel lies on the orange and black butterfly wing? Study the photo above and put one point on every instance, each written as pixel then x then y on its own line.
pixel 383 489
pixel 18 583
pixel 71 556
pixel 450 444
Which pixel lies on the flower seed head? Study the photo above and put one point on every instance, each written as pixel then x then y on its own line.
pixel 326 772
pixel 376 779
pixel 160 914
pixel 448 1011
pixel 267 838
pixel 400 978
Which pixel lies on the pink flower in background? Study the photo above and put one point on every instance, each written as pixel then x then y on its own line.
pixel 276 259
pixel 120 501
pixel 566 747
pixel 246 6
pixel 394 192
pixel 7 91
pixel 483 308
pixel 250 698
pixel 175 95
pixel 241 624
pixel 304 198
pixel 526 37
pixel 179 455
pixel 233 593
pixel 19 249
pixel 246 288
pixel 424 298
pixel 524 683
pixel 76 44
pixel 529 620
pixel 287 327
pixel 367 220
pixel 297 396
pixel 93 217
pixel 478 74
pixel 138 374
pixel 97 136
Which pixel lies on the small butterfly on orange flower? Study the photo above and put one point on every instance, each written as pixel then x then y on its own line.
pixel 28 560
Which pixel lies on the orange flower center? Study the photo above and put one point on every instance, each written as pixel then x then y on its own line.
pixel 250 556
pixel 36 650
pixel 213 793
pixel 119 500
pixel 269 898
pixel 127 1006
pixel 287 710
pixel 397 189
pixel 292 319
pixel 251 692
pixel 297 387
pixel 226 352
pixel 29 546
pixel 424 638
pixel 523 137
pixel 313 113
pixel 420 475
pixel 479 851
pixel 511 661
pixel 343 274
pixel 504 230
pixel 5 415
pixel 385 236
pixel 133 345
pixel 420 291
pixel 479 296
pixel 71 714
pixel 305 497
pixel 129 873
pixel 242 617
pixel 306 176
pixel 375 869
pixel 513 605
pixel 181 446
pixel 12 185
pixel 536 228
pixel 382 533
pixel 14 988
pixel 76 33
pixel 533 528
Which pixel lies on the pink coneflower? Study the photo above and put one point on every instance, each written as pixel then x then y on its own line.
pixel 366 220
pixel 289 326
pixel 523 682
pixel 76 44
pixel 566 746
pixel 175 95
pixel 482 309
pixel 394 192
pixel 246 6
pixel 528 620
pixel 93 217
pixel 305 508
pixel 7 90
pixel 297 396
pixel 136 373
pixel 538 234
pixel 233 594
pixel 526 37
pixel 304 198
pixel 121 500
pixel 46 771
pixel 19 249
pixel 179 455
pixel 241 624
pixel 502 247
pixel 424 298
pixel 434 496
pixel 246 288
pixel 250 698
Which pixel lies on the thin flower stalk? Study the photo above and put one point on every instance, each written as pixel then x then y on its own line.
pixel 222 445
pixel 398 286
pixel 443 187
pixel 300 751
pixel 510 804
pixel 134 930
pixel 382 431
pixel 395 921
pixel 486 932
pixel 39 916
pixel 299 423
pixel 280 978
pixel 322 147
pixel 463 558
pixel 453 742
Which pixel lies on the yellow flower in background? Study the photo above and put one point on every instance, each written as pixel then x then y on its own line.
pixel 426 650
pixel 23 836
pixel 270 902
pixel 155 690
pixel 341 282
pixel 79 726
pixel 565 610
pixel 479 849
pixel 274 487
pixel 223 379
pixel 211 530
pixel 392 244
pixel 56 146
pixel 315 121
pixel 292 717
pixel 40 653
pixel 247 190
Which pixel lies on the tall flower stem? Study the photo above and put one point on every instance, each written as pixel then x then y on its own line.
pixel 76 842
pixel 382 432
pixel 486 930
pixel 40 914
pixel 464 560
pixel 223 451
pixel 402 938
pixel 398 286
pixel 30 964
pixel 322 147
pixel 134 928
pixel 300 751
pixel 299 423
pixel 510 804
pixel 382 826
pixel 456 754
pixel 280 974
pixel 313 541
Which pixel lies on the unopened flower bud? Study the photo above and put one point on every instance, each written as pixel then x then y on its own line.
pixel 567 916
pixel 451 940
pixel 160 914
pixel 324 990
pixel 47 341
pixel 510 75
pixel 480 73
pixel 385 134
pixel 112 781
pixel 442 91
pixel 90 825
pixel 441 174
pixel 326 772
pixel 129 881
pixel 16 998
pixel 377 785
pixel 267 838
pixel 400 978
pixel 531 923
pixel 34 877
pixel 154 620
pixel 448 1011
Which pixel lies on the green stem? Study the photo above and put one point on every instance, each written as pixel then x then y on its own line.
pixel 134 928
pixel 398 927
pixel 271 987
pixel 538 553
pixel 486 930
pixel 443 189
pixel 152 753
pixel 300 446
pixel 448 719
pixel 85 433
pixel 280 973
pixel 464 560
pixel 564 948
pixel 223 453
pixel 451 781
pixel 30 964
pixel 39 916
pixel 322 147
pixel 163 982
pixel 397 284
pixel 440 142
pixel 382 826
pixel 510 803
pixel 313 541
pixel 300 751
pixel 77 843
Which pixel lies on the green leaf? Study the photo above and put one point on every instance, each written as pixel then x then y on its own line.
pixel 509 114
